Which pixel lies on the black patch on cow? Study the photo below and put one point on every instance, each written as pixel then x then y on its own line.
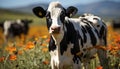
pixel 15 29
pixel 96 31
pixel 89 27
pixel 104 38
pixel 52 45
pixel 103 34
pixel 92 35
pixel 63 44
pixel 62 16
pixel 82 15
pixel 102 29
pixel 48 19
pixel 76 59
pixel 84 31
pixel 72 36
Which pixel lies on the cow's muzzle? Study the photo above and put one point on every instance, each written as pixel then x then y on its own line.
pixel 55 29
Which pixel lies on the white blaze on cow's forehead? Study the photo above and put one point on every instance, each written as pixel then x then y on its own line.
pixel 54 5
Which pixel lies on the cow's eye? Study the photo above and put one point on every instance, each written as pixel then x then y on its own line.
pixel 48 17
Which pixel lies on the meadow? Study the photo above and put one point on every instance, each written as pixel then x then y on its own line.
pixel 32 52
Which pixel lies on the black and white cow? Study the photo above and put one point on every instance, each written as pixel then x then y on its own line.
pixel 15 28
pixel 72 38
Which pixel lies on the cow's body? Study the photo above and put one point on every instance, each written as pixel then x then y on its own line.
pixel 70 37
pixel 15 28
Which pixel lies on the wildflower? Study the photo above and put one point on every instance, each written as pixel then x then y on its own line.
pixel 45 49
pixel 20 52
pixel 36 39
pixel 12 57
pixel 44 44
pixel 48 40
pixel 20 44
pixel 2 59
pixel 44 37
pixel 29 45
pixel 11 49
pixel 46 62
pixel 99 67
pixel 110 47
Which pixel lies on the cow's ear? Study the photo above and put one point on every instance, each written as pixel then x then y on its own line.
pixel 39 11
pixel 71 11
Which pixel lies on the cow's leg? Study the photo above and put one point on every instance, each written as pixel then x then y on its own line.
pixel 53 64
pixel 5 39
pixel 102 54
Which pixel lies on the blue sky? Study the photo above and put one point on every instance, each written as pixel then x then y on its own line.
pixel 18 3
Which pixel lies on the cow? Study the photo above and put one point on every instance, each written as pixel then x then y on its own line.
pixel 13 28
pixel 115 24
pixel 73 41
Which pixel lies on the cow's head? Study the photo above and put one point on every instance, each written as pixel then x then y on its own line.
pixel 55 16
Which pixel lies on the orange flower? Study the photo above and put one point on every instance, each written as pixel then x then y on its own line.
pixel 99 67
pixel 20 52
pixel 44 37
pixel 48 40
pixel 2 59
pixel 46 62
pixel 29 45
pixel 109 47
pixel 36 39
pixel 20 44
pixel 12 57
pixel 45 49
pixel 44 44
pixel 11 49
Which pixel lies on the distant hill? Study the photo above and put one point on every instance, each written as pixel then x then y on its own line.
pixel 28 9
pixel 106 8
pixel 103 8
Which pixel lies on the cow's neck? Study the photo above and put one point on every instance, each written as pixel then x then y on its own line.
pixel 56 43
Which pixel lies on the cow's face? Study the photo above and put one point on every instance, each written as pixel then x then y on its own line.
pixel 55 16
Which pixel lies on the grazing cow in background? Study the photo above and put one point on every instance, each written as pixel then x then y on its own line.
pixel 116 24
pixel 73 40
pixel 15 28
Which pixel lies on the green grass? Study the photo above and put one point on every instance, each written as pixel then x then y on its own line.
pixel 9 15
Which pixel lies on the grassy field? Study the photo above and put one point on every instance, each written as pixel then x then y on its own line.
pixel 32 52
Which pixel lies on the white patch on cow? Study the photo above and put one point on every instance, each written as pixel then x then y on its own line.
pixel 7 25
pixel 54 57
pixel 53 5
pixel 55 16
pixel 67 57
pixel 18 21
pixel 90 17
pixel 61 60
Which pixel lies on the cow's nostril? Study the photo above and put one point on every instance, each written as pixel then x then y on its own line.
pixel 55 29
